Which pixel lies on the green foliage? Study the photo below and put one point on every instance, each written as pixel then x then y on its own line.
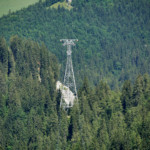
pixel 30 116
pixel 126 95
pixel 27 98
pixel 113 46
pixel 113 36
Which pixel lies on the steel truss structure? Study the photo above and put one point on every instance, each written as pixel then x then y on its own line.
pixel 69 91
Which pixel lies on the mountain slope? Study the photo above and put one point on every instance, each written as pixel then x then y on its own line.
pixel 28 74
pixel 30 113
pixel 113 36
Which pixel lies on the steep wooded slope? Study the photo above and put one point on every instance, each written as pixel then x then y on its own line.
pixel 30 116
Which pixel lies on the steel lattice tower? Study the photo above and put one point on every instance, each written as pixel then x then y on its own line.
pixel 69 92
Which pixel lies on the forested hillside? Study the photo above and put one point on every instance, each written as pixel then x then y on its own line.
pixel 30 116
pixel 28 73
pixel 114 36
pixel 113 52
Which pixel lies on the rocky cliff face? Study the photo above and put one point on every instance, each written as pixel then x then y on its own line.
pixel 67 94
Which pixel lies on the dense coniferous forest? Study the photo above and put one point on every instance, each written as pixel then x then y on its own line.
pixel 111 63
pixel 114 36
pixel 30 116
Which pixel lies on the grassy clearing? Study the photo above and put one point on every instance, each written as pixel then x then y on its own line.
pixel 61 4
pixel 14 5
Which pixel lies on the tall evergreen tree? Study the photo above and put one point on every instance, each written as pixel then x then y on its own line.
pixel 126 96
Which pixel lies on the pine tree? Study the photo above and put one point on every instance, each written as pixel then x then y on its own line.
pixel 103 137
pixel 4 53
pixel 138 96
pixel 116 131
pixel 146 86
pixel 126 95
